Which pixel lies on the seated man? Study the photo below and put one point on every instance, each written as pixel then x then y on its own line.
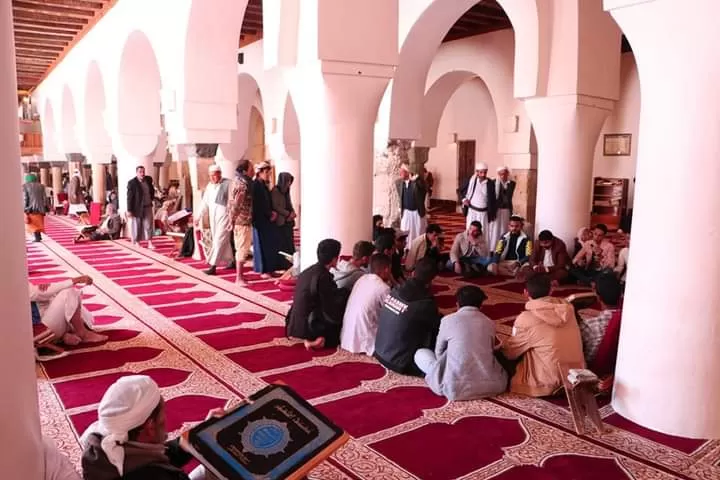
pixel 318 305
pixel 349 271
pixel 361 315
pixel 545 334
pixel 59 308
pixel 409 320
pixel 550 256
pixel 393 244
pixel 512 251
pixel 129 440
pixel 595 257
pixel 427 245
pixel 109 229
pixel 601 334
pixel 469 252
pixel 622 262
pixel 463 365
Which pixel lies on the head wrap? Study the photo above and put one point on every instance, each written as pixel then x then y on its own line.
pixel 262 166
pixel 284 181
pixel 503 169
pixel 76 173
pixel 126 405
pixel 214 168
pixel 30 177
pixel 481 166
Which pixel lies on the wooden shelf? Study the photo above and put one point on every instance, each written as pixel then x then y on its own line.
pixel 610 197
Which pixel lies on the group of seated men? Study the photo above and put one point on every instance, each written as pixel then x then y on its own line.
pixel 460 356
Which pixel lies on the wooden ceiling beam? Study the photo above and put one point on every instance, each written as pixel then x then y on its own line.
pixel 34 6
pixel 46 27
pixel 50 19
pixel 39 47
pixel 33 61
pixel 43 36
pixel 97 5
pixel 41 41
pixel 34 53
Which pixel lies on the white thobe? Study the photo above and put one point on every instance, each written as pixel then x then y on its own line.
pixel 57 305
pixel 220 250
pixel 360 322
pixel 477 194
pixel 412 222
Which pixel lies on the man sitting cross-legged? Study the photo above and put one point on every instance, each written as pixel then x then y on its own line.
pixel 601 334
pixel 550 256
pixel 409 320
pixel 392 243
pixel 349 271
pixel 361 315
pixel 318 304
pixel 427 245
pixel 513 250
pixel 469 252
pixel 596 256
pixel 59 307
pixel 463 365
pixel 544 335
pixel 129 440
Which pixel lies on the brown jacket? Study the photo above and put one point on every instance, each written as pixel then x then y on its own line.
pixel 546 334
pixel 559 253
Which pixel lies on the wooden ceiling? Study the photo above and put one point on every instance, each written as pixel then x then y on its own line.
pixel 252 27
pixel 45 30
pixel 485 16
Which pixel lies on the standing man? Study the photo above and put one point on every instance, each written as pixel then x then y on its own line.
pixel 479 202
pixel 35 206
pixel 214 202
pixel 240 211
pixel 412 191
pixel 76 197
pixel 140 194
pixel 504 190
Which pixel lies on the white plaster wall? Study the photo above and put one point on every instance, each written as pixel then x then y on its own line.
pixel 471 115
pixel 624 119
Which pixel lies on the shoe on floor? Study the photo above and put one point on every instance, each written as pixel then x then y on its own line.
pixel 232 265
pixel 211 270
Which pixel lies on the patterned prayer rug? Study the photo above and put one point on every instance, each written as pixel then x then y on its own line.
pixel 208 344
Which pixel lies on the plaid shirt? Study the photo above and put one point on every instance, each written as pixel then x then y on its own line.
pixel 240 201
pixel 592 331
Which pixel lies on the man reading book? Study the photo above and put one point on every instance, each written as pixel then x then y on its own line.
pixel 128 441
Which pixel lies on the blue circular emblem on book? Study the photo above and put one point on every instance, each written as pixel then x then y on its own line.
pixel 265 437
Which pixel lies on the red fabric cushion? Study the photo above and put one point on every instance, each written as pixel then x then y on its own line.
pixel 604 362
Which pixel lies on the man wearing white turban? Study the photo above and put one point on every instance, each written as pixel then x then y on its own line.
pixel 214 203
pixel 412 191
pixel 128 440
pixel 479 201
pixel 504 190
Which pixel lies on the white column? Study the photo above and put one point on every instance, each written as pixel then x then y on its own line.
pixel 338 113
pixel 19 417
pixel 44 176
pixel 56 182
pixel 566 128
pixel 667 376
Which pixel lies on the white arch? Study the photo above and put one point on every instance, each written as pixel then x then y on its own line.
pixel 67 139
pixel 51 152
pixel 425 37
pixel 93 135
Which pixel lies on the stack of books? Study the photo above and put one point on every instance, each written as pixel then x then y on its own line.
pixel 577 375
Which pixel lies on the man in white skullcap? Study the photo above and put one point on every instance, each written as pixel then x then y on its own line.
pixel 128 441
pixel 479 201
pixel 412 191
pixel 214 203
pixel 504 190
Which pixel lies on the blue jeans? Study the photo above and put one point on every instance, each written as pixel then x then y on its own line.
pixel 467 261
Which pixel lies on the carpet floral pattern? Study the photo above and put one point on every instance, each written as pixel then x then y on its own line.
pixel 209 344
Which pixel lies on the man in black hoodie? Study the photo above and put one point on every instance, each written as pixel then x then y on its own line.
pixel 409 319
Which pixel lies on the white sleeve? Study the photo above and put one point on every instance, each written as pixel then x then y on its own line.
pixel 471 188
pixel 38 296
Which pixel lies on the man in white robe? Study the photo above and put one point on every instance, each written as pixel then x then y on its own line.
pixel 59 307
pixel 214 202
pixel 412 191
pixel 480 201
pixel 504 191
pixel 360 321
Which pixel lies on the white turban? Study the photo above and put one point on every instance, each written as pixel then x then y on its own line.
pixel 503 169
pixel 214 168
pixel 126 405
pixel 481 166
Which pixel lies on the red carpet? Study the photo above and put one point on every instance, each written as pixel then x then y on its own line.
pixel 208 344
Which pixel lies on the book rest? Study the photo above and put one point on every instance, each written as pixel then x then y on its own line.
pixel 581 398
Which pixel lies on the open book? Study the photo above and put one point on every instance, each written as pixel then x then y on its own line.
pixel 576 375
pixel 274 434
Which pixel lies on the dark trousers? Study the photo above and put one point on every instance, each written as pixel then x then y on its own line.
pixel 585 276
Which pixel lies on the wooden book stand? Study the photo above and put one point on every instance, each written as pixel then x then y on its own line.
pixel 581 397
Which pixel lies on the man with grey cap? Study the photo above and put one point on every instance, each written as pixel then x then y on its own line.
pixel 480 201
pixel 128 441
pixel 214 203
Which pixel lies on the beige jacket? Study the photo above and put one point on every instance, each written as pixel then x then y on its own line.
pixel 417 250
pixel 546 334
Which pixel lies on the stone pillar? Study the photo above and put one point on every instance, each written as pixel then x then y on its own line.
pixel 114 172
pixel 338 113
pixel 56 182
pixel 524 198
pixel 387 169
pixel 98 183
pixel 164 175
pixel 418 157
pixel 20 432
pixel 44 176
pixel 567 128
pixel 667 377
